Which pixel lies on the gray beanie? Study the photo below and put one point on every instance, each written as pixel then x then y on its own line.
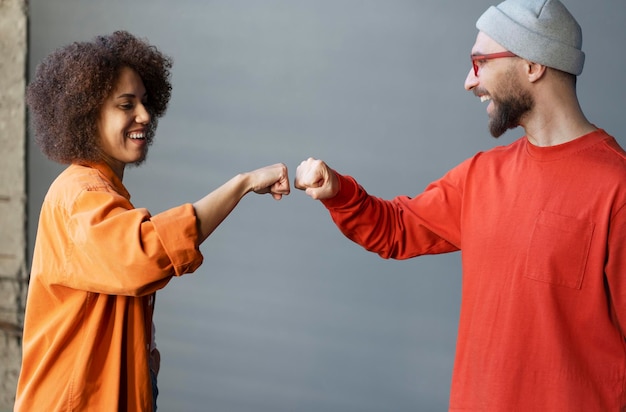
pixel 542 31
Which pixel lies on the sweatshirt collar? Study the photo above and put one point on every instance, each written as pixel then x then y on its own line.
pixel 563 150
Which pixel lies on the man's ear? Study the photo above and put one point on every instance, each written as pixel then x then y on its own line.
pixel 535 71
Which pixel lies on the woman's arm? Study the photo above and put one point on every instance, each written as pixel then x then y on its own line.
pixel 212 209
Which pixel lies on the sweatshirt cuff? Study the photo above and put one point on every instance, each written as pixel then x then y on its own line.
pixel 348 188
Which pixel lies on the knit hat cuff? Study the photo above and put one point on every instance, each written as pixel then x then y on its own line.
pixel 528 44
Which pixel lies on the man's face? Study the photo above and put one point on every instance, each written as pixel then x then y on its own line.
pixel 510 103
pixel 499 82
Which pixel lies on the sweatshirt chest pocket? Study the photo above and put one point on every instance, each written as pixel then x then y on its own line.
pixel 558 250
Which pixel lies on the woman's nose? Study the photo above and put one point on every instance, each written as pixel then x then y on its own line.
pixel 142 116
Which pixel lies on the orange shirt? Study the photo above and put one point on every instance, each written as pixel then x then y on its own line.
pixel 542 232
pixel 97 263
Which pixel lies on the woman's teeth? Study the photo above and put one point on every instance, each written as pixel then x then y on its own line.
pixel 137 135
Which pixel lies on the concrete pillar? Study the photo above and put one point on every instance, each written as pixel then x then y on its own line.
pixel 13 267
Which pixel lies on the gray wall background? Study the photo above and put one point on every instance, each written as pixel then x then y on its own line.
pixel 286 314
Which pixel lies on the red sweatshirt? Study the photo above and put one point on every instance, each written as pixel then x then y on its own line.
pixel 542 232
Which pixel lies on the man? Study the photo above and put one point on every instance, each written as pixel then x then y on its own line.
pixel 541 224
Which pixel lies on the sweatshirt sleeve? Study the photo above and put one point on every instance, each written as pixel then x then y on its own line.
pixel 398 228
pixel 114 248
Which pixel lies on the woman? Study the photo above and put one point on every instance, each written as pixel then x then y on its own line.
pixel 98 260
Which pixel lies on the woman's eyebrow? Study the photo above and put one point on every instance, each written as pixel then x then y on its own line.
pixel 128 95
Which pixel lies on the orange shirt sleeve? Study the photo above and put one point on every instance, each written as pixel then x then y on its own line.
pixel 110 247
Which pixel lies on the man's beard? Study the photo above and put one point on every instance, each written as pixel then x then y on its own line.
pixel 509 110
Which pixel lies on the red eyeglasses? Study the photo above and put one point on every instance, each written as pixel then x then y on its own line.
pixel 482 57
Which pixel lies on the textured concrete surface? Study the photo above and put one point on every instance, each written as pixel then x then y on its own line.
pixel 13 272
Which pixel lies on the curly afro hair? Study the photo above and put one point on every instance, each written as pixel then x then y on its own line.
pixel 71 84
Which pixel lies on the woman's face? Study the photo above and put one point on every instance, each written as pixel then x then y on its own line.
pixel 123 121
